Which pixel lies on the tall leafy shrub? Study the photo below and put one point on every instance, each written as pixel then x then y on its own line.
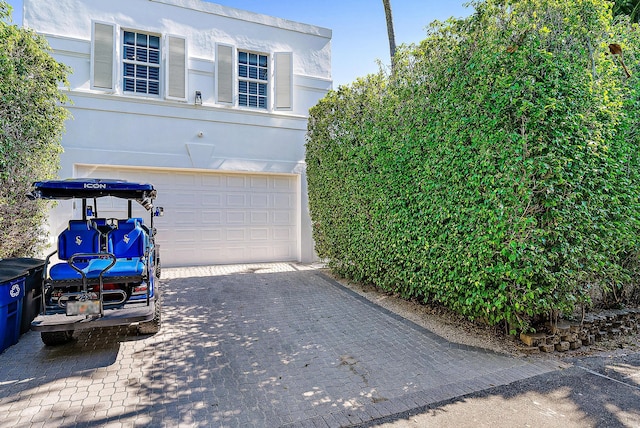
pixel 31 126
pixel 495 171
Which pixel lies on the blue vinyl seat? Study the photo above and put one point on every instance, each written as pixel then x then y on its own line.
pixel 79 237
pixel 129 243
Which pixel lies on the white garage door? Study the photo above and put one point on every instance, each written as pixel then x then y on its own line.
pixel 217 218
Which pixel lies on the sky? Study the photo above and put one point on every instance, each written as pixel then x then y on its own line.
pixel 359 27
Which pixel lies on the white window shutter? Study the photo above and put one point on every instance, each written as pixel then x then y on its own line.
pixel 284 80
pixel 176 67
pixel 224 73
pixel 102 56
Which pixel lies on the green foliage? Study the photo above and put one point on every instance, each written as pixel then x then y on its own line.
pixel 31 126
pixel 627 7
pixel 496 171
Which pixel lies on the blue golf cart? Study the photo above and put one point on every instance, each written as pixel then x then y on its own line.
pixel 107 269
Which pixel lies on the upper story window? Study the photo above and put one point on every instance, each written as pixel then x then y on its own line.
pixel 141 63
pixel 253 79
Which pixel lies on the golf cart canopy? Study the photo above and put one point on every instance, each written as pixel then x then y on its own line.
pixel 87 188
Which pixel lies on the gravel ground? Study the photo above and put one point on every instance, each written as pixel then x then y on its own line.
pixel 457 329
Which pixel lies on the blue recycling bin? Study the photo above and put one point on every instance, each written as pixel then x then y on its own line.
pixel 32 301
pixel 11 296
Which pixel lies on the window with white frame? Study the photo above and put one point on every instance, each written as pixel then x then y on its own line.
pixel 253 79
pixel 141 63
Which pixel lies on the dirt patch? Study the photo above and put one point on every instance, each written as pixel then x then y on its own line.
pixel 458 329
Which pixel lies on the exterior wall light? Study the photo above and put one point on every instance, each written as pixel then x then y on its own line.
pixel 198 99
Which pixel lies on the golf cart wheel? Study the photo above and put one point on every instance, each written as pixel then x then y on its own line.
pixel 153 326
pixel 55 338
pixel 158 268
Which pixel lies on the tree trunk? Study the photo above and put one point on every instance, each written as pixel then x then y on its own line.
pixel 390 32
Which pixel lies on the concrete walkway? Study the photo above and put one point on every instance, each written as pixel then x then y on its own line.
pixel 249 345
pixel 596 391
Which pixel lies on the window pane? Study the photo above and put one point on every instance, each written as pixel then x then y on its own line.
pixel 253 73
pixel 242 87
pixel 263 61
pixel 128 85
pixel 154 73
pixel 242 100
pixel 141 55
pixel 129 52
pixel 141 72
pixel 129 70
pixel 253 101
pixel 262 89
pixel 242 57
pixel 154 42
pixel 263 74
pixel 242 71
pixel 141 39
pixel 262 102
pixel 154 57
pixel 253 59
pixel 253 88
pixel 129 38
pixel 141 86
pixel 154 88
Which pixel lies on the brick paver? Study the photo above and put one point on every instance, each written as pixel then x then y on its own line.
pixel 247 345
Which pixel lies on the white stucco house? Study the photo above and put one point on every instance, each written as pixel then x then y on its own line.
pixel 206 102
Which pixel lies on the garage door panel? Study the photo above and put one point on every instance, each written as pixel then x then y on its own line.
pixel 281 184
pixel 259 234
pixel 214 235
pixel 209 180
pixel 236 181
pixel 236 200
pixel 261 183
pixel 259 217
pixel 237 235
pixel 211 199
pixel 234 254
pixel 282 252
pixel 184 198
pixel 259 201
pixel 211 217
pixel 184 217
pixel 282 217
pixel 216 218
pixel 283 201
pixel 236 217
pixel 283 234
pixel 259 252
pixel 184 180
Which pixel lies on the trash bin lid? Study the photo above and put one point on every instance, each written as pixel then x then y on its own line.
pixel 10 273
pixel 27 263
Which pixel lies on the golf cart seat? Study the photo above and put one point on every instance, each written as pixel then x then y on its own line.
pixel 129 243
pixel 129 240
pixel 79 237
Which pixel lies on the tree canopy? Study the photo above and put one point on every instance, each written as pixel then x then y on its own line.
pixel 31 126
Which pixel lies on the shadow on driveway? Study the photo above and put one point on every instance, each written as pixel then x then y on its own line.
pixel 264 346
pixel 599 391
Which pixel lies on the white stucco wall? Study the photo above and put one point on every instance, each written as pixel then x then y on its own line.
pixel 128 130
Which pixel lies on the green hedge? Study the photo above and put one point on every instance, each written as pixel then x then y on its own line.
pixel 496 171
pixel 31 127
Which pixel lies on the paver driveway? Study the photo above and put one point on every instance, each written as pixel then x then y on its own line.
pixel 260 345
